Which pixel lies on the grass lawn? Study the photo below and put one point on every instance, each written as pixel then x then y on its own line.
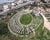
pixel 26 19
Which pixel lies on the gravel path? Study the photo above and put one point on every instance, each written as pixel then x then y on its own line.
pixel 46 22
pixel 47 25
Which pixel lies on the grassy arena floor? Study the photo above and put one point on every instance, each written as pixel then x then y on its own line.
pixel 26 19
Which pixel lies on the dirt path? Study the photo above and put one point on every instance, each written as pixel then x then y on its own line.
pixel 46 22
pixel 47 25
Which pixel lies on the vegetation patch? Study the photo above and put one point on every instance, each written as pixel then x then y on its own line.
pixel 25 19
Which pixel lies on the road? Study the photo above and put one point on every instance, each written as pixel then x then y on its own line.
pixel 16 7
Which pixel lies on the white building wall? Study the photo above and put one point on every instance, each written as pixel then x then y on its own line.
pixel 5 7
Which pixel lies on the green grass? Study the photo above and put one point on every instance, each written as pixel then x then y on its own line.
pixel 25 19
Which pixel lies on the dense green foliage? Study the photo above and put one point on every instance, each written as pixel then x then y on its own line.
pixel 3 28
pixel 25 19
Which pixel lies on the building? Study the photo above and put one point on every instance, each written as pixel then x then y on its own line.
pixel 46 1
pixel 37 1
pixel 1 7
pixel 48 9
pixel 4 4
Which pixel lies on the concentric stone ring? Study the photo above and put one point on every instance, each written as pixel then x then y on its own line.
pixel 24 23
